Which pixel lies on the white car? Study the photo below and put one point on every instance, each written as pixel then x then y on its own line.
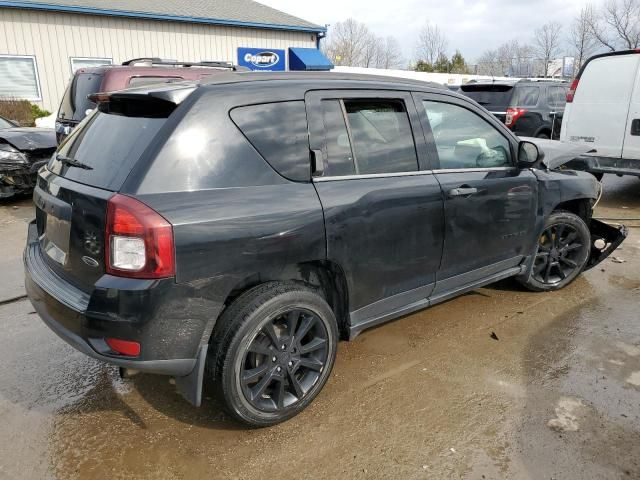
pixel 603 112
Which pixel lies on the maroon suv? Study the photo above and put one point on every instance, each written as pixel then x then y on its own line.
pixel 133 73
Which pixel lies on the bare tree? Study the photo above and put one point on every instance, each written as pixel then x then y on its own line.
pixel 352 43
pixel 509 59
pixel 581 39
pixel 371 51
pixel 432 44
pixel 347 42
pixel 488 64
pixel 623 18
pixel 616 25
pixel 547 43
pixel 598 29
pixel 389 54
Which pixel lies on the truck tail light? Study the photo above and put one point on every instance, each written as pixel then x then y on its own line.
pixel 139 241
pixel 572 90
pixel 513 114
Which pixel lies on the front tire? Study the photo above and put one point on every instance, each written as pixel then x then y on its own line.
pixel 274 350
pixel 562 252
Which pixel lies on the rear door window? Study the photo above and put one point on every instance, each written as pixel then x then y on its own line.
pixel 108 145
pixel 526 96
pixel 557 96
pixel 337 144
pixel 381 136
pixel 368 136
pixel 278 131
pixel 75 104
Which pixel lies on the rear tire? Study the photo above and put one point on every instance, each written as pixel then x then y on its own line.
pixel 561 253
pixel 273 351
pixel 543 135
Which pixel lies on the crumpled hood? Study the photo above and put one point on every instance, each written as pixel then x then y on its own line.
pixel 558 153
pixel 29 138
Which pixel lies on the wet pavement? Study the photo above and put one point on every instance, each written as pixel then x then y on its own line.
pixel 431 395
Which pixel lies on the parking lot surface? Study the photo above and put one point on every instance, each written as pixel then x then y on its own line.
pixel 553 393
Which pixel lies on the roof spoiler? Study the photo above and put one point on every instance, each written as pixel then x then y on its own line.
pixel 143 101
pixel 174 93
pixel 151 61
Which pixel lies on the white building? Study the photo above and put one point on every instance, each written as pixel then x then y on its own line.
pixel 42 43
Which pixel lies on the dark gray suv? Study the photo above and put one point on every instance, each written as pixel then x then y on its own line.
pixel 236 228
pixel 528 108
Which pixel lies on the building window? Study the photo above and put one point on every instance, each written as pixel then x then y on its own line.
pixel 86 62
pixel 19 77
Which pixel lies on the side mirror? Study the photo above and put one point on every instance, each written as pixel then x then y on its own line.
pixel 529 155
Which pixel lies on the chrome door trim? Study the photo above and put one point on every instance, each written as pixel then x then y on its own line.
pixel 412 174
pixel 463 170
pixel 372 175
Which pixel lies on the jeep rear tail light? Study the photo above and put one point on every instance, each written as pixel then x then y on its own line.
pixel 513 114
pixel 139 241
pixel 572 90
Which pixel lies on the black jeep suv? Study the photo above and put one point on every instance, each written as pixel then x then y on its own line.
pixel 528 108
pixel 247 222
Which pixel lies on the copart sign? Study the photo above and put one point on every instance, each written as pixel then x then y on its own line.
pixel 261 59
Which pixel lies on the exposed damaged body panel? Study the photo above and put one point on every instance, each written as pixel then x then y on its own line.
pixel 558 153
pixel 567 187
pixel 23 150
pixel 605 239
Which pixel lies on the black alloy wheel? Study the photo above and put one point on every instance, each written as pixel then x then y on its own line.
pixel 272 352
pixel 560 250
pixel 284 360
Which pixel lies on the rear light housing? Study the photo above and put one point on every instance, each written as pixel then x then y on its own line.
pixel 139 241
pixel 571 93
pixel 513 114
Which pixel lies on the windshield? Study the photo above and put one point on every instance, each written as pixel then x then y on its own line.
pixel 493 97
pixel 110 145
pixel 75 102
pixel 5 123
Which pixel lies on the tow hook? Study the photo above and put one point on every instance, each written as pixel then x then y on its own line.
pixel 605 239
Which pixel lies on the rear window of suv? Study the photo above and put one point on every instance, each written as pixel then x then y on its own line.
pixel 493 97
pixel 109 145
pixel 75 103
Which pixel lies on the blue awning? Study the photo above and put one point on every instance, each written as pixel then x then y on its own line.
pixel 308 59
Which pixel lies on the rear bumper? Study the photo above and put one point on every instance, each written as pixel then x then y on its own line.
pixel 43 303
pixel 142 311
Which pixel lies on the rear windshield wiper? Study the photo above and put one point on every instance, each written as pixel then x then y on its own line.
pixel 72 162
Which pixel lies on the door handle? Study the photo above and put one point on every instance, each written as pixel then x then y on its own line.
pixel 462 191
pixel 635 127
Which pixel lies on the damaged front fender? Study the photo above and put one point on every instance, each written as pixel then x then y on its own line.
pixel 605 239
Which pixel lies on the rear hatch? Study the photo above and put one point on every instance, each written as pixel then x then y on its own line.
pixel 495 97
pixel 72 192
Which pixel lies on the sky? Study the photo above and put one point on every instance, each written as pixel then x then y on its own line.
pixel 470 26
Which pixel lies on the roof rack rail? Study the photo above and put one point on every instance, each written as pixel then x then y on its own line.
pixel 204 63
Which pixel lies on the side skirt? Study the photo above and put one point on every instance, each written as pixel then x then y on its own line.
pixel 355 330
